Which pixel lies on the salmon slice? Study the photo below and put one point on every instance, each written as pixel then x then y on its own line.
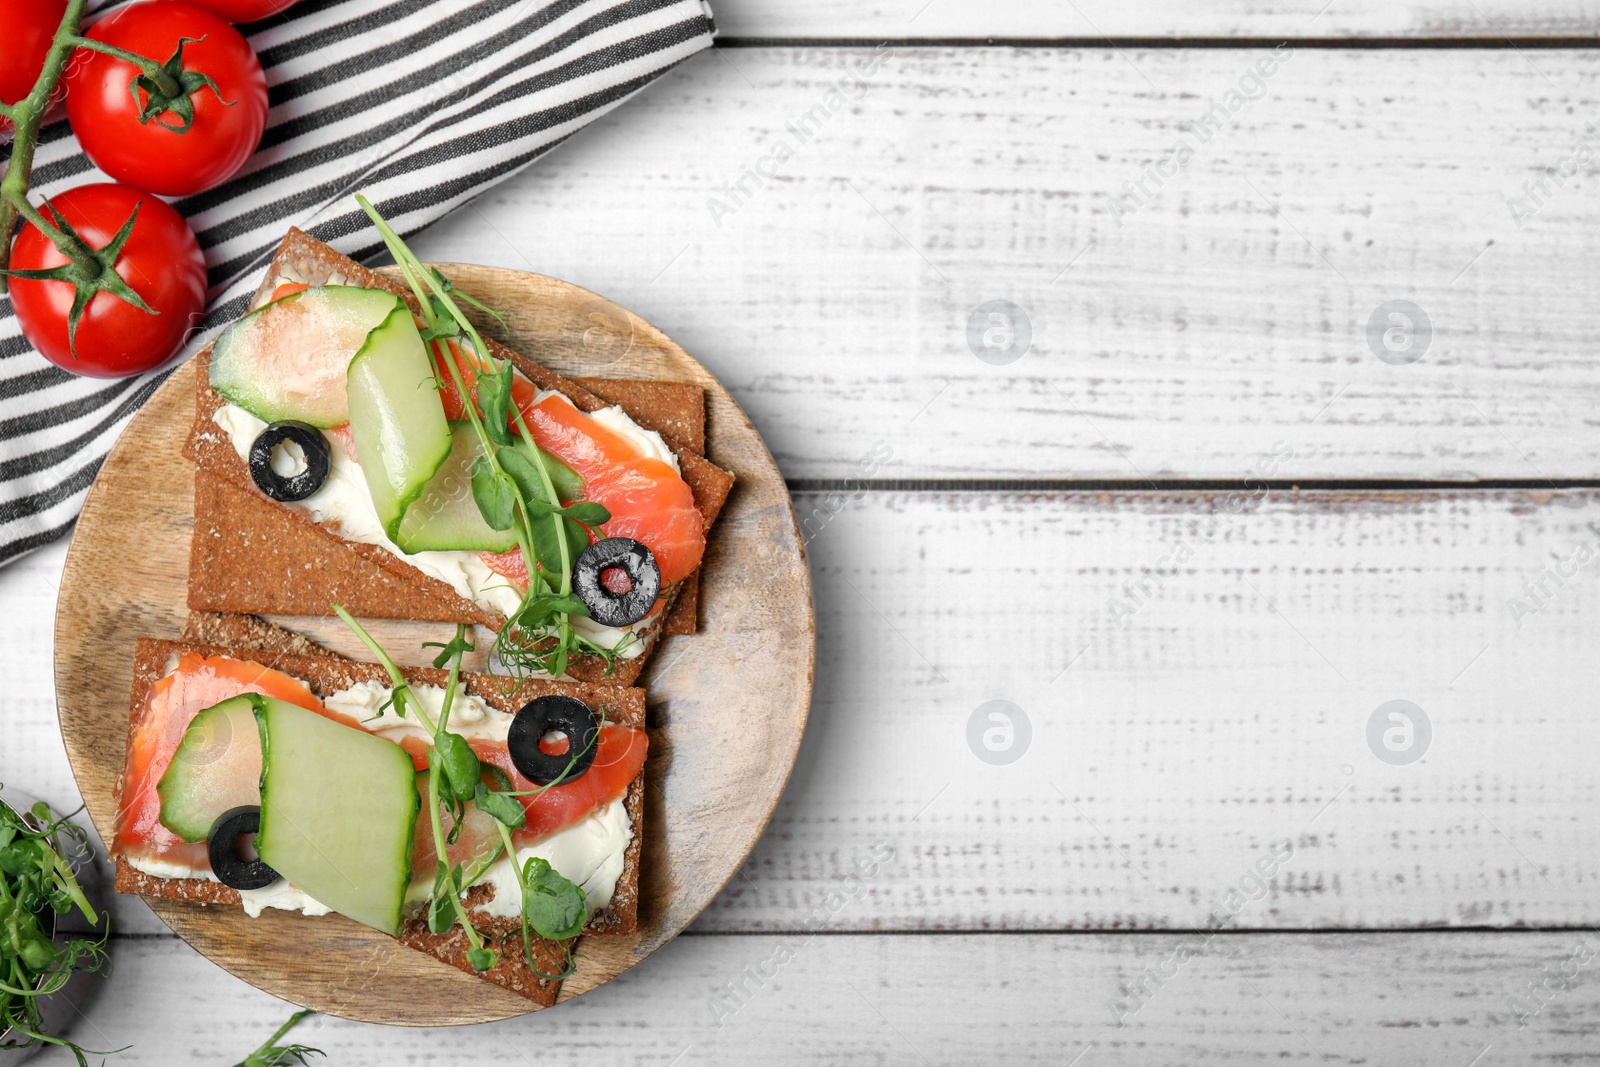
pixel 648 500
pixel 619 757
pixel 199 682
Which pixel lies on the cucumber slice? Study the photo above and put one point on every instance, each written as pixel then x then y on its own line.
pixel 288 360
pixel 446 516
pixel 216 768
pixel 396 417
pixel 338 812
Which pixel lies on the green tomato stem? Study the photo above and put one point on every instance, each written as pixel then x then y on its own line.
pixel 26 116
pixel 148 67
pixel 82 257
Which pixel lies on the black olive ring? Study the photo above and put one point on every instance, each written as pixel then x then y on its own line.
pixel 232 869
pixel 617 609
pixel 296 486
pixel 553 714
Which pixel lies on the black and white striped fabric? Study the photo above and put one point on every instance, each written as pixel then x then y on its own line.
pixel 419 104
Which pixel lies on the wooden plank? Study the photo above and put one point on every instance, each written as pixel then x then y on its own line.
pixel 916 1000
pixel 1199 686
pixel 1094 20
pixel 1215 327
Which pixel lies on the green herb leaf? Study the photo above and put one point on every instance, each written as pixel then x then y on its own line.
pixel 530 486
pixel 496 499
pixel 588 513
pixel 461 767
pixel 501 780
pixel 537 504
pixel 443 328
pixel 441 902
pixel 538 612
pixel 18 858
pixel 500 807
pixel 452 648
pixel 551 904
pixel 494 400
pixel 37 850
pixel 569 484
pixel 480 958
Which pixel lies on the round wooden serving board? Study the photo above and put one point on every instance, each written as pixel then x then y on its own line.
pixel 728 705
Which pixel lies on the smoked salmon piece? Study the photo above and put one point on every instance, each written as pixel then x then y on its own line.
pixel 648 500
pixel 199 682
pixel 619 757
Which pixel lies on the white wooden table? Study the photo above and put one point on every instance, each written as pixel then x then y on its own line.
pixel 1196 535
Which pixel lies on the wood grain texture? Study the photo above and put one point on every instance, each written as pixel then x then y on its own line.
pixel 1187 742
pixel 1199 686
pixel 1223 320
pixel 1436 1000
pixel 1091 21
pixel 713 778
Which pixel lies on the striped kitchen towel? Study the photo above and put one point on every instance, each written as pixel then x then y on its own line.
pixel 420 104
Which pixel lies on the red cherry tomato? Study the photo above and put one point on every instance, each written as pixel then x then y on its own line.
pixel 161 261
pixel 29 26
pixel 149 155
pixel 247 10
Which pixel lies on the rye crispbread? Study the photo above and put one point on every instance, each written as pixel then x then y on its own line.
pixel 243 561
pixel 326 672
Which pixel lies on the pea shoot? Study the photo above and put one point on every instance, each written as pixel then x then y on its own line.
pixel 37 883
pixel 272 1054
pixel 552 907
pixel 514 481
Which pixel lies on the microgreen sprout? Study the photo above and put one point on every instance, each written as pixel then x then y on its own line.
pixel 37 882
pixel 272 1054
